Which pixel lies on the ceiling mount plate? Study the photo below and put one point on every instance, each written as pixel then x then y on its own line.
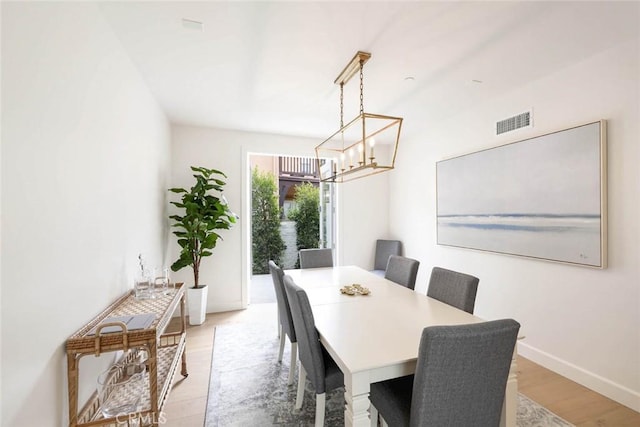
pixel 352 67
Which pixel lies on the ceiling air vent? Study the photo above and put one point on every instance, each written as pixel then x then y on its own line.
pixel 523 120
pixel 191 24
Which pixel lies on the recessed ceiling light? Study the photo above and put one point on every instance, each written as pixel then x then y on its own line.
pixel 190 24
pixel 409 79
pixel 476 81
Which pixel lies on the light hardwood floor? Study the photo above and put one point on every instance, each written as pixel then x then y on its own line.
pixel 571 401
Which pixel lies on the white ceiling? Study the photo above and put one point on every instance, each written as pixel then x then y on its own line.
pixel 270 66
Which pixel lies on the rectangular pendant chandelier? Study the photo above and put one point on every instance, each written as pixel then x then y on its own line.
pixel 365 146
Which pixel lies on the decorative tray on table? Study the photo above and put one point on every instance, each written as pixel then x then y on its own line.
pixel 354 289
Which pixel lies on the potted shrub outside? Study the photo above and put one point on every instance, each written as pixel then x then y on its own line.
pixel 203 213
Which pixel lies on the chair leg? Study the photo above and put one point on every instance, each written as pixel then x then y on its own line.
pixel 320 405
pixel 278 320
pixel 282 338
pixel 294 361
pixel 302 378
pixel 373 414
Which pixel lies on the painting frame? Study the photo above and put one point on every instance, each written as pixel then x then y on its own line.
pixel 543 197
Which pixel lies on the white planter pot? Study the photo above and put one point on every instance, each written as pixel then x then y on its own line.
pixel 197 303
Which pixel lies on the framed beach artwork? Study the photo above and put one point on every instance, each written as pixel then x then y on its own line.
pixel 543 197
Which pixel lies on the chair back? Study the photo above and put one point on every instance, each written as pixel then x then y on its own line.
pixel 402 270
pixel 384 249
pixel 284 310
pixel 316 258
pixel 453 288
pixel 461 374
pixel 309 347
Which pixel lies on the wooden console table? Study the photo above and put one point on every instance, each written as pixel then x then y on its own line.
pixel 165 351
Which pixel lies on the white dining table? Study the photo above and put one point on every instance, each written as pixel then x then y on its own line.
pixel 376 337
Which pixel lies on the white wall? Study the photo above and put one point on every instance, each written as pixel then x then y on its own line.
pixel 0 237
pixel 581 322
pixel 85 156
pixel 363 211
pixel 364 217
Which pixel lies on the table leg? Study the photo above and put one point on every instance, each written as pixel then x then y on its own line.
pixel 152 360
pixel 356 412
pixel 72 388
pixel 510 406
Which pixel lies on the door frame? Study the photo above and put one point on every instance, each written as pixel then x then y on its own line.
pixel 246 213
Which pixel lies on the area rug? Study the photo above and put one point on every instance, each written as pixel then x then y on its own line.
pixel 249 388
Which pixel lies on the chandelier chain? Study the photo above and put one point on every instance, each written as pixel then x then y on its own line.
pixel 361 87
pixel 341 105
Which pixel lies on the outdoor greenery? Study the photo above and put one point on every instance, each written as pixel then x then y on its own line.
pixel 306 214
pixel 267 243
pixel 203 211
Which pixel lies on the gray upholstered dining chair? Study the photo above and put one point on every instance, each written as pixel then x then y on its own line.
pixel 454 288
pixel 315 362
pixel 460 379
pixel 384 249
pixel 402 270
pixel 284 318
pixel 316 258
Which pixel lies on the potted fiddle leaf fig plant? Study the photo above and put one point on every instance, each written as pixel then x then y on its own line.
pixel 204 212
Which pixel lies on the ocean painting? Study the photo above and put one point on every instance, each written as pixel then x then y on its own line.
pixel 543 197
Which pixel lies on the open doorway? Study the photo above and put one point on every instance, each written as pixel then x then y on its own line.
pixel 288 188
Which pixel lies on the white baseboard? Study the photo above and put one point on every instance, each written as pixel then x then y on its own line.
pixel 225 306
pixel 608 388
